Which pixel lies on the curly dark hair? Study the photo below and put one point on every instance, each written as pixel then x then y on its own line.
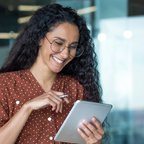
pixel 25 49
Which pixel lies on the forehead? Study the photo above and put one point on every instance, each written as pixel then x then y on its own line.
pixel 67 31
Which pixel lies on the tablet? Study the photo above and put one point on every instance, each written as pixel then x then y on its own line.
pixel 82 110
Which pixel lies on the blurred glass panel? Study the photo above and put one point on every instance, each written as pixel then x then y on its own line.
pixel 121 57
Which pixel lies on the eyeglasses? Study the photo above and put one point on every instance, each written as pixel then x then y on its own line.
pixel 59 45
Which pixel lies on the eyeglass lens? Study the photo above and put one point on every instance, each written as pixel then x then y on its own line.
pixel 58 46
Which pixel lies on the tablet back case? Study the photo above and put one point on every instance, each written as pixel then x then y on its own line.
pixel 82 110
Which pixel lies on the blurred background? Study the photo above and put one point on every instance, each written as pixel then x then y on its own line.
pixel 117 28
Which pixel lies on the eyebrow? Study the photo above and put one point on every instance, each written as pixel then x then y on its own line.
pixel 64 40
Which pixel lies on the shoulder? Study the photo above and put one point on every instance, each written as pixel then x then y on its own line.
pixel 69 79
pixel 5 77
pixel 71 86
pixel 10 77
pixel 71 83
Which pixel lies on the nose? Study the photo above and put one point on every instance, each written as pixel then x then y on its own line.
pixel 65 53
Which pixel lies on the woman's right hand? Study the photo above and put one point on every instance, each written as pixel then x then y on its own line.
pixel 11 130
pixel 51 98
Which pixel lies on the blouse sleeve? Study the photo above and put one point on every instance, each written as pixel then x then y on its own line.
pixel 80 91
pixel 3 109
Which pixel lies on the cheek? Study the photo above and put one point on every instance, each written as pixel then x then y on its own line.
pixel 46 51
pixel 69 60
pixel 44 54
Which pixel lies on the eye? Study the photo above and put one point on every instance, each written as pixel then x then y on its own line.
pixel 58 42
pixel 73 46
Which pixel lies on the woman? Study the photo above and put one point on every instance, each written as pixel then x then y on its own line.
pixel 53 56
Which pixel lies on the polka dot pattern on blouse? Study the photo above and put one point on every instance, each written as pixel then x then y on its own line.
pixel 18 87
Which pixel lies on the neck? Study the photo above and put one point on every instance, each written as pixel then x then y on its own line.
pixel 44 77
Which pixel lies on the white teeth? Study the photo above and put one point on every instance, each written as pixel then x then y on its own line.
pixel 57 60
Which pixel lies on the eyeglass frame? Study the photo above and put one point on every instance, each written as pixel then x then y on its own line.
pixel 63 48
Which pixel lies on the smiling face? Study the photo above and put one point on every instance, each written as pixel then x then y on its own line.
pixel 64 34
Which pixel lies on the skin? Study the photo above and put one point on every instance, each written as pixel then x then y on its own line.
pixel 45 69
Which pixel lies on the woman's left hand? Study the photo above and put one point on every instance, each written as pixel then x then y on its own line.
pixel 92 132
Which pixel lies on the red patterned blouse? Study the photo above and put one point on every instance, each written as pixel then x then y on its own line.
pixel 18 87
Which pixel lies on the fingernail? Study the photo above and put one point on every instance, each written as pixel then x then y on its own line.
pixel 93 118
pixel 84 121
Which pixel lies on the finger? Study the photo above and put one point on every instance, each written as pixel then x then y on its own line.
pixel 88 140
pixel 85 129
pixel 53 96
pixel 64 97
pixel 59 94
pixel 51 103
pixel 88 135
pixel 66 100
pixel 57 102
pixel 92 130
pixel 61 107
pixel 82 134
pixel 98 125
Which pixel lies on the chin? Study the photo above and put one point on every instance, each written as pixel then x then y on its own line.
pixel 56 70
